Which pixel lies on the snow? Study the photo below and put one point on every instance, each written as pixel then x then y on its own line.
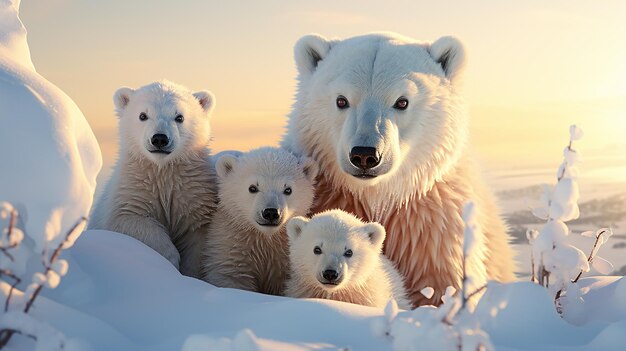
pixel 245 340
pixel 50 160
pixel 52 178
pixel 449 327
pixel 13 45
pixel 428 292
pixel 121 295
pixel 125 285
pixel 49 339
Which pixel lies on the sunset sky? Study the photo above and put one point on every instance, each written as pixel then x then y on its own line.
pixel 534 66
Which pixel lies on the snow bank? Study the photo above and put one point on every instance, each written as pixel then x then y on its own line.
pixel 128 287
pixel 50 157
pixel 50 160
pixel 121 295
pixel 13 45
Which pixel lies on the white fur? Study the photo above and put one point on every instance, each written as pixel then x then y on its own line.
pixel 366 278
pixel 431 133
pixel 163 200
pixel 425 174
pixel 240 252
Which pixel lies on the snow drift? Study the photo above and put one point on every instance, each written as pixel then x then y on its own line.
pixel 121 295
pixel 50 156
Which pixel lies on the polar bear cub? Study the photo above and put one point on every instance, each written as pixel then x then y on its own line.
pixel 336 256
pixel 162 189
pixel 247 246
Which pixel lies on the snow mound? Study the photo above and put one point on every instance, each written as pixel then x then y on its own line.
pixel 13 43
pixel 50 157
pixel 123 284
pixel 121 295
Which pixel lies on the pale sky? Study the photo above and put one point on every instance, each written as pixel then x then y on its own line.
pixel 534 68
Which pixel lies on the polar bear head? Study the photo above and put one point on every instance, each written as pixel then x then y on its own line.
pixel 163 121
pixel 263 188
pixel 334 249
pixel 380 112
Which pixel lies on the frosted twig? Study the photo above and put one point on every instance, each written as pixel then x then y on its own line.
pixel 464 284
pixel 5 249
pixel 590 257
pixel 475 292
pixel 6 334
pixel 55 255
pixel 16 282
pixel 569 147
pixel 16 331
pixel 589 260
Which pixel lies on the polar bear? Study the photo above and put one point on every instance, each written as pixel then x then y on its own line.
pixel 246 246
pixel 336 256
pixel 384 117
pixel 162 190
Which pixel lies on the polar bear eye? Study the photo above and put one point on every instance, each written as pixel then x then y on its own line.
pixel 348 253
pixel 342 102
pixel 179 119
pixel 253 189
pixel 143 116
pixel 317 250
pixel 401 104
pixel 287 191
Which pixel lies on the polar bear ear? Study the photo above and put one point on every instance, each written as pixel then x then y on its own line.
pixel 121 98
pixel 309 167
pixel 376 233
pixel 309 51
pixel 225 165
pixel 449 52
pixel 206 99
pixel 295 226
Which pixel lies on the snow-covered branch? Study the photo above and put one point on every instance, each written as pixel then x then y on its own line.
pixel 447 327
pixel 470 238
pixel 18 322
pixel 555 264
pixel 12 265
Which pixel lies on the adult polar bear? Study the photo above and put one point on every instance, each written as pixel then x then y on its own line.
pixel 383 117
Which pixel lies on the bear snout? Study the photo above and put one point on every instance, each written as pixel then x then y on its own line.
pixel 330 275
pixel 159 140
pixel 364 157
pixel 271 214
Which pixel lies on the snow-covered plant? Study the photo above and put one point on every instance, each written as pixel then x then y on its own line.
pixel 451 326
pixel 447 327
pixel 555 264
pixel 13 259
pixel 470 244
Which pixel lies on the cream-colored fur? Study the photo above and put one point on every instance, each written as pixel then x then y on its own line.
pixel 240 251
pixel 425 173
pixel 164 200
pixel 424 236
pixel 366 277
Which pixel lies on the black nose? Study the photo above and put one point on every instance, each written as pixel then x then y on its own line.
pixel 271 214
pixel 330 275
pixel 160 140
pixel 364 157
